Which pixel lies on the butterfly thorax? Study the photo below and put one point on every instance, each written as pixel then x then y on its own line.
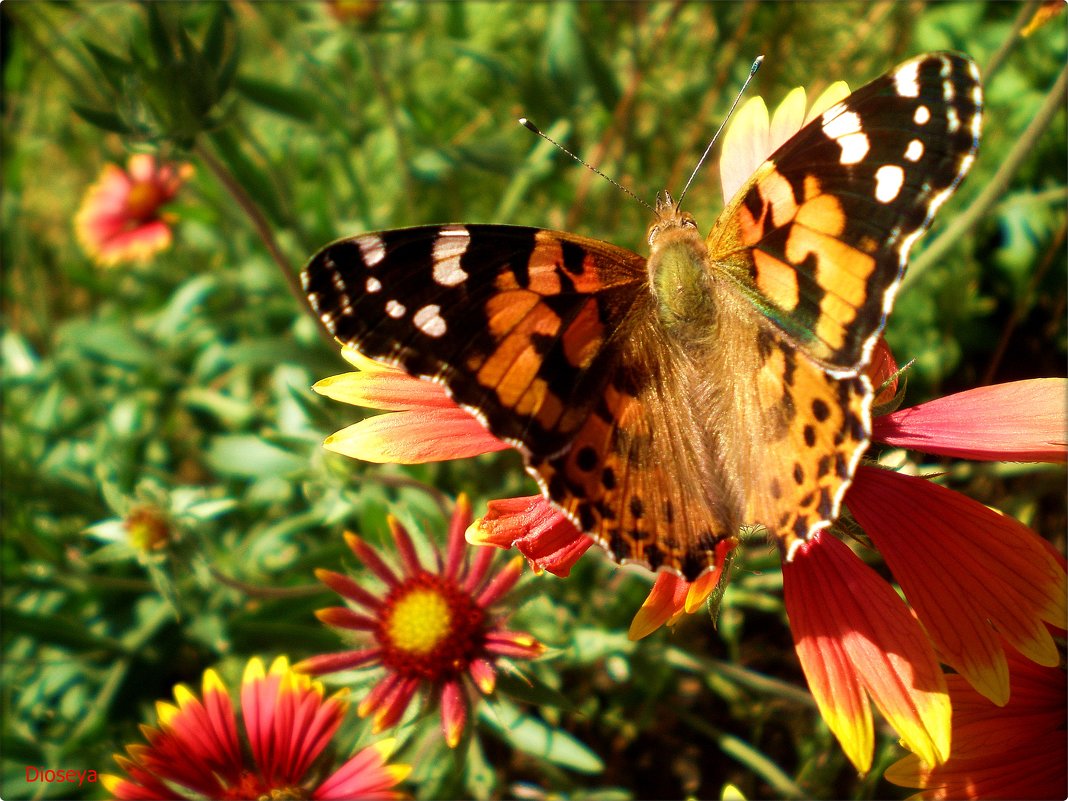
pixel 678 274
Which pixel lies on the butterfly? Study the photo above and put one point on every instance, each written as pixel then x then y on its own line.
pixel 665 403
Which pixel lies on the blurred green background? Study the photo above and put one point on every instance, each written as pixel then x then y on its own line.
pixel 181 385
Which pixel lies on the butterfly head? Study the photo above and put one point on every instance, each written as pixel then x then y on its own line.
pixel 668 217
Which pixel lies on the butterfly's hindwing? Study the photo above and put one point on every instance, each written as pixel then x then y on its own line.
pixel 820 235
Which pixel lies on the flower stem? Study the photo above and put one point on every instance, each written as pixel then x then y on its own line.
pixel 262 226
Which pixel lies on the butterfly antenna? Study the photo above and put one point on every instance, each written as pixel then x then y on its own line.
pixel 532 127
pixel 752 72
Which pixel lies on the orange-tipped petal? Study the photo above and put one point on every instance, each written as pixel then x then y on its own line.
pixel 344 618
pixel 369 556
pixel 1025 421
pixel 484 675
pixel 453 713
pixel 348 588
pixel 456 549
pixel 414 438
pixel 968 571
pixel 515 644
pixel 386 389
pixel 851 631
pixel 665 600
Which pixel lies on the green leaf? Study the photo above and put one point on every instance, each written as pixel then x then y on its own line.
pixel 113 68
pixel 106 120
pixel 249 456
pixel 537 738
pixel 533 692
pixel 280 99
pixel 59 630
pixel 215 39
pixel 158 35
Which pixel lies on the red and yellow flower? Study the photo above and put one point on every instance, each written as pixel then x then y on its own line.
pixel 121 218
pixel 1018 750
pixel 197 749
pixel 431 629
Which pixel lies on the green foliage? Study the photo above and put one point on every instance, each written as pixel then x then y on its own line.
pixel 183 385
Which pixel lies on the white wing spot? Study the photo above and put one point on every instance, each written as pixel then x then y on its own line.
pixel 429 320
pixel 837 124
pixel 846 129
pixel 395 310
pixel 854 148
pixel 948 92
pixel 952 120
pixel 888 182
pixel 373 285
pixel 922 115
pixel 372 248
pixel 449 248
pixel 914 151
pixel 338 281
pixel 907 80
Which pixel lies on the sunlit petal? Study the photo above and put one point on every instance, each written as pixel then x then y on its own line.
pixel 1020 421
pixel 852 631
pixel 968 571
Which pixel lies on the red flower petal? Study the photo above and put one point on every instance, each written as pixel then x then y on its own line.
pixel 1021 421
pixel 331 663
pixel 502 583
pixel 854 635
pixel 369 556
pixel 968 571
pixel 345 586
pixel 365 776
pixel 536 529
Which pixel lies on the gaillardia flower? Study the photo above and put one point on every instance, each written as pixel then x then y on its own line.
pixel 1019 750
pixel 431 629
pixel 198 750
pixel 971 577
pixel 121 218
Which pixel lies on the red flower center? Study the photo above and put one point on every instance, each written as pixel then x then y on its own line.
pixel 252 785
pixel 430 628
pixel 144 200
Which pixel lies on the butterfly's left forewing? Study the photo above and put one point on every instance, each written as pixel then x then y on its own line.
pixel 518 323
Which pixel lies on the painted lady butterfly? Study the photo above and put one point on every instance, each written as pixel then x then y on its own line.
pixel 664 403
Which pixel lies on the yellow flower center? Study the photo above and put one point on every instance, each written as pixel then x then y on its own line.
pixel 420 621
pixel 430 628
